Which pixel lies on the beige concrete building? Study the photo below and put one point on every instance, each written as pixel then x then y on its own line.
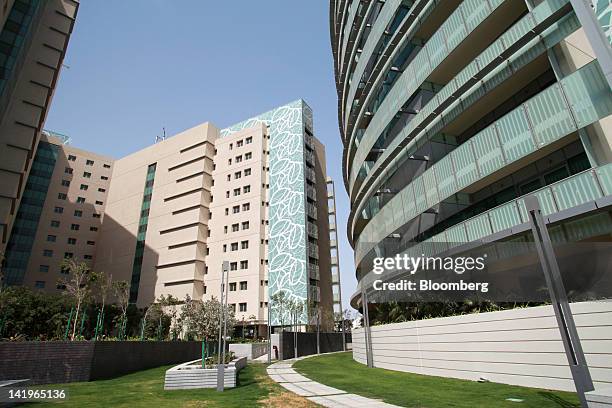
pixel 33 40
pixel 166 217
pixel 71 216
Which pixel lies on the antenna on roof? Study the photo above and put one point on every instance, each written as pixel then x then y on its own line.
pixel 161 138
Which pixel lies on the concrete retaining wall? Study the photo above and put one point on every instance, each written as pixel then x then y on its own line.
pixel 249 350
pixel 54 362
pixel 519 346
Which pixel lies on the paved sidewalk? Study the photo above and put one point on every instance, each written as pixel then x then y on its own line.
pixel 283 373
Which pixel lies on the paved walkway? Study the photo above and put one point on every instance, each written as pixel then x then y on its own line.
pixel 283 373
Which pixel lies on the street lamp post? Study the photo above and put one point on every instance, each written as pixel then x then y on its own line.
pixel 222 328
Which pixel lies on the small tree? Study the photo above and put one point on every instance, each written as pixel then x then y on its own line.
pixel 122 293
pixel 280 301
pixel 202 318
pixel 77 285
pixel 104 285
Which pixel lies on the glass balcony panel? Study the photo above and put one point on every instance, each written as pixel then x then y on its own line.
pixel 588 94
pixel 431 188
pixel 478 227
pixel 505 216
pixel 576 190
pixel 594 225
pixel 547 203
pixel 474 12
pixel 464 164
pixel 549 115
pixel 454 31
pixel 445 176
pixel 515 135
pixel 604 174
pixel 488 151
pixel 419 195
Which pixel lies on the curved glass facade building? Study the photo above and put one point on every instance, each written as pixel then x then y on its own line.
pixel 451 112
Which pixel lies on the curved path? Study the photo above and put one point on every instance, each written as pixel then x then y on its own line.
pixel 283 373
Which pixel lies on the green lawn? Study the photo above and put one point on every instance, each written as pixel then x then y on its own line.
pixel 412 390
pixel 146 389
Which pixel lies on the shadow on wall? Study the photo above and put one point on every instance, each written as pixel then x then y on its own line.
pixel 116 256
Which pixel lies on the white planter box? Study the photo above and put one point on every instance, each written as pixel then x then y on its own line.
pixel 249 350
pixel 187 376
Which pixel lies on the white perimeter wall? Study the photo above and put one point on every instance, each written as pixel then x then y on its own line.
pixel 519 346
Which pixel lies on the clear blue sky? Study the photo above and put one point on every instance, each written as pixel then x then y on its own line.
pixel 136 66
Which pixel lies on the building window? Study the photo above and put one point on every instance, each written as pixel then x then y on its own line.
pixel 71 157
pixel 93 228
pixel 244 264
pixel 81 200
pixel 234 246
pixel 104 177
pixel 249 140
pixel 243 285
pixel 87 175
pixel 87 257
pixel 239 143
pixel 78 213
pixel 232 286
pixel 97 215
pixel 229 162
pixel 68 170
pixel 232 307
pixel 48 253
pixel 236 192
pixel 89 162
pixel 246 206
pixel 43 268
pixel 55 223
pixel 224 247
pixel 233 266
pixel 58 210
pixel 235 209
pixel 66 183
pixel 51 238
pixel 248 155
pixel 102 190
pixel 204 289
pixel 243 307
pixel 244 244
pixel 91 242
pixel 245 225
pixel 247 172
pixel 98 202
pixel 235 227
pixel 75 227
pixel 68 255
pixel 239 159
pixel 62 196
pixel 225 229
pixel 106 166
pixel 72 241
pixel 237 174
pixel 84 187
pixel 39 284
pixel 246 189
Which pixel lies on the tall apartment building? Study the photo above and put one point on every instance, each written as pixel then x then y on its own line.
pixel 34 36
pixel 60 213
pixel 166 217
pixel 452 112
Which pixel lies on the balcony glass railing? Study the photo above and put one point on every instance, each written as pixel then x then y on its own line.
pixel 421 67
pixel 417 71
pixel 529 52
pixel 543 119
pixel 312 230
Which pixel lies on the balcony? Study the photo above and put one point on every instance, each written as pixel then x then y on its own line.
pixel 312 230
pixel 336 298
pixel 313 272
pixel 310 158
pixel 314 293
pixel 311 210
pixel 335 278
pixel 313 250
pixel 310 175
pixel 311 193
pixel 308 140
